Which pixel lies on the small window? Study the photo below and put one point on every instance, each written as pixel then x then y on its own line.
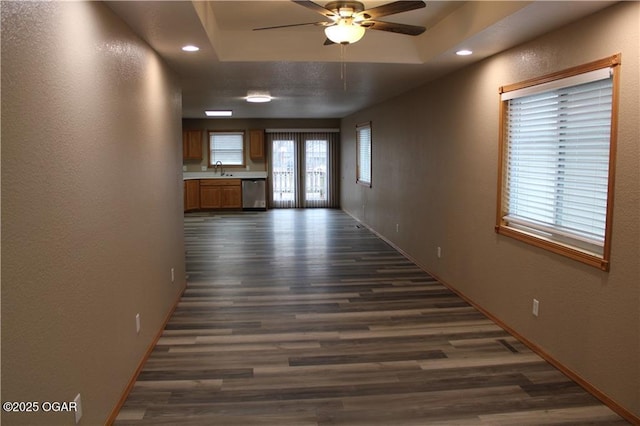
pixel 557 149
pixel 227 148
pixel 363 148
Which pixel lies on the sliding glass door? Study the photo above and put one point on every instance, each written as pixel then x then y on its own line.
pixel 303 169
pixel 283 169
pixel 315 178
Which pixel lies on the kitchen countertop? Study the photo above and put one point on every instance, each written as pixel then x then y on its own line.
pixel 228 175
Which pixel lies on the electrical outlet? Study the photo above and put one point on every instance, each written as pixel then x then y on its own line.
pixel 173 275
pixel 138 323
pixel 203 168
pixel 536 307
pixel 78 412
pixel 439 252
pixel 397 227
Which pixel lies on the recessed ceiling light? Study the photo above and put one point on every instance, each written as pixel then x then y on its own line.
pixel 190 48
pixel 219 113
pixel 464 52
pixel 258 98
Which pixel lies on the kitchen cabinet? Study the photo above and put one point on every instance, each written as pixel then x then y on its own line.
pixel 256 144
pixel 192 144
pixel 210 197
pixel 191 194
pixel 232 197
pixel 220 194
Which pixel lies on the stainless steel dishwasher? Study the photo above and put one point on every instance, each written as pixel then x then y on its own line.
pixel 254 194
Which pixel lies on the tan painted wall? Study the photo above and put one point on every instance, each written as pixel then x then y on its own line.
pixel 91 205
pixel 435 174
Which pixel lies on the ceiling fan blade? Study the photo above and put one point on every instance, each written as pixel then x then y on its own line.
pixel 394 27
pixel 391 9
pixel 290 25
pixel 316 8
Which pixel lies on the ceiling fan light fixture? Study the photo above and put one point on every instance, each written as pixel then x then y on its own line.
pixel 344 32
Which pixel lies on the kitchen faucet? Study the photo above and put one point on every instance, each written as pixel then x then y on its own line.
pixel 219 163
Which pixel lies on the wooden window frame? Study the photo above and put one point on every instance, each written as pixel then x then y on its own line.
pixel 244 148
pixel 501 227
pixel 360 181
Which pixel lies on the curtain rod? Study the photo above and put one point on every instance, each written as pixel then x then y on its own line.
pixel 302 130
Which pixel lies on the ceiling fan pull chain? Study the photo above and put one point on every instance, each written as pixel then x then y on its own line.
pixel 345 78
pixel 342 61
pixel 343 66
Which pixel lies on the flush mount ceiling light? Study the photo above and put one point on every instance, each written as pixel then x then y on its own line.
pixel 190 48
pixel 258 97
pixel 218 113
pixel 344 32
pixel 464 52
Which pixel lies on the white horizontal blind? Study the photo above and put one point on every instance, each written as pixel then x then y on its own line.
pixel 558 145
pixel 363 139
pixel 227 147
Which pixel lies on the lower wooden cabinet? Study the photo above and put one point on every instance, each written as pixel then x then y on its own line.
pixel 191 194
pixel 220 194
pixel 231 197
pixel 210 197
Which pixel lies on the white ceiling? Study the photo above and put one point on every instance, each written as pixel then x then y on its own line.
pixel 302 74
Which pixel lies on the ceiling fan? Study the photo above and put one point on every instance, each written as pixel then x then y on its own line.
pixel 348 20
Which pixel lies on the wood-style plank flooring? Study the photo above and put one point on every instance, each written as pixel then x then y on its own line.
pixel 304 317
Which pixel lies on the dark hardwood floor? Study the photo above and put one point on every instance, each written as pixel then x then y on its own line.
pixel 304 317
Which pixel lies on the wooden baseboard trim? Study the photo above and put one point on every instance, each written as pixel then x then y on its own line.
pixel 127 390
pixel 606 400
pixel 593 390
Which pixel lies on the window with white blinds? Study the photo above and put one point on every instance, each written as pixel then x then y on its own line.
pixel 556 163
pixel 226 147
pixel 363 159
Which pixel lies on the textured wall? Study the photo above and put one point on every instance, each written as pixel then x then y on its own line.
pixel 91 205
pixel 435 175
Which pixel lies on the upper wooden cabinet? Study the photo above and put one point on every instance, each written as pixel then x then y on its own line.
pixel 256 144
pixel 192 144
